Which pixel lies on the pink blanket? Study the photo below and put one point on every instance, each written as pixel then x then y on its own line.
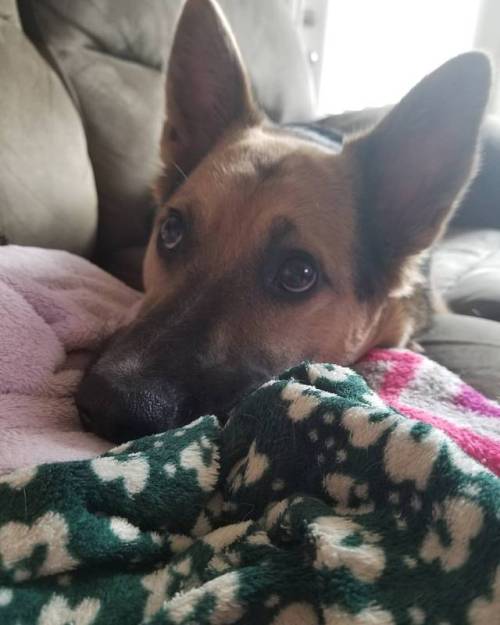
pixel 56 308
pixel 421 389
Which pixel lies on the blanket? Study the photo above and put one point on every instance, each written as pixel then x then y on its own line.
pixel 316 504
pixel 331 496
pixel 55 309
pixel 424 390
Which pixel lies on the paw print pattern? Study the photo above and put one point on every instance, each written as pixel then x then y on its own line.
pixel 316 504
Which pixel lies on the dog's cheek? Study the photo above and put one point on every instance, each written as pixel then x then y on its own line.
pixel 341 331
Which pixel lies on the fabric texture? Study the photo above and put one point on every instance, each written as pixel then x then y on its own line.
pixel 421 389
pixel 466 271
pixel 47 189
pixel 468 346
pixel 316 504
pixel 55 309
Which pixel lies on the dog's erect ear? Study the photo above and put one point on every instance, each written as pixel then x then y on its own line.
pixel 417 161
pixel 207 87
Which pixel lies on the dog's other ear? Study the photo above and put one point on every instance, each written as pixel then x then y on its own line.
pixel 207 88
pixel 416 163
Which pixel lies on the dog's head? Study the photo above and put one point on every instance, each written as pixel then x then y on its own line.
pixel 268 249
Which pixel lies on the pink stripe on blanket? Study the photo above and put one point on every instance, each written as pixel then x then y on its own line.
pixel 397 379
pixel 472 400
pixel 404 377
pixel 481 448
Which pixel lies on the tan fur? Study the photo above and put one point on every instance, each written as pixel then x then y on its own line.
pixel 232 210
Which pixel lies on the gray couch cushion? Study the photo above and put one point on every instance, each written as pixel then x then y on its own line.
pixel 111 55
pixel 275 58
pixel 47 191
pixel 466 270
pixel 481 205
pixel 470 347
pixel 8 11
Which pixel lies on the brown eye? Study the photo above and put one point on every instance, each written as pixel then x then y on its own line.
pixel 172 230
pixel 297 275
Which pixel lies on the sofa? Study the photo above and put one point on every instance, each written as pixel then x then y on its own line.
pixel 82 105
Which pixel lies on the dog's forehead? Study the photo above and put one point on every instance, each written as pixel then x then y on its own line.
pixel 265 154
pixel 263 176
pixel 260 173
pixel 250 183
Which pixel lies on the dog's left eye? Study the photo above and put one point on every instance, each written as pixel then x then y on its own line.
pixel 297 275
pixel 172 230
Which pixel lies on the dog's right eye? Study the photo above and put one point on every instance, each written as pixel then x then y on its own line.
pixel 172 230
pixel 292 274
pixel 297 275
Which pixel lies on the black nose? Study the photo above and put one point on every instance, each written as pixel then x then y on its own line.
pixel 121 410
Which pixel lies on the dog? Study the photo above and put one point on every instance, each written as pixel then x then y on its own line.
pixel 272 245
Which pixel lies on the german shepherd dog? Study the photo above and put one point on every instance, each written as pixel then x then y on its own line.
pixel 269 248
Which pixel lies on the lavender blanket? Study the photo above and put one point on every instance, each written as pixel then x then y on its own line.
pixel 55 309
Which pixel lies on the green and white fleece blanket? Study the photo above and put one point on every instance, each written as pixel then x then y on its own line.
pixel 315 504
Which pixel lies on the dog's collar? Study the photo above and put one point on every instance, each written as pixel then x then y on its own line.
pixel 317 133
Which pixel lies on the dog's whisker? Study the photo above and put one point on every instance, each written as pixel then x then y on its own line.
pixel 180 170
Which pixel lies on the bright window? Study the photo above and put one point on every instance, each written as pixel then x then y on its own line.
pixel 375 51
